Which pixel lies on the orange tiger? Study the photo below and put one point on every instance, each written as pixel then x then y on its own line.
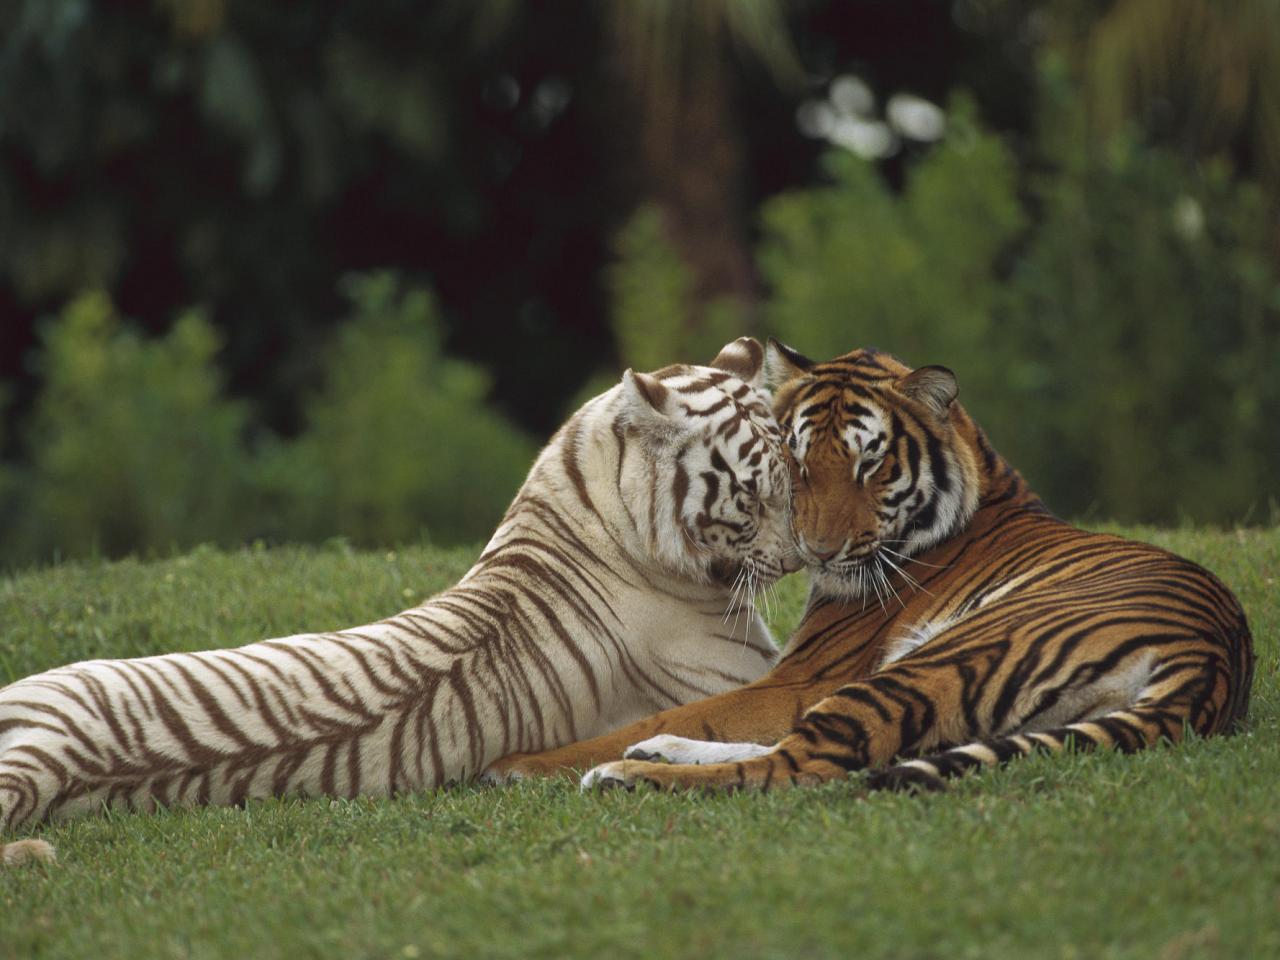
pixel 953 622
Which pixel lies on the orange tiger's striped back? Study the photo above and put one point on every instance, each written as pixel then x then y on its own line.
pixel 966 624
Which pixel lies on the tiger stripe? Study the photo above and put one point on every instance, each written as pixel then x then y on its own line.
pixel 966 625
pixel 601 597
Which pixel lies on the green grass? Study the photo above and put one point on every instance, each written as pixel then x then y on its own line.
pixel 1171 854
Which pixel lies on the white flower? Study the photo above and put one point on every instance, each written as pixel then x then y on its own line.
pixel 916 118
pixel 867 138
pixel 852 97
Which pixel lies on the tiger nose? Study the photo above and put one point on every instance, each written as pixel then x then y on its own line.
pixel 822 552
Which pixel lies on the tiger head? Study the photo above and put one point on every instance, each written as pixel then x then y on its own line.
pixel 711 485
pixel 882 463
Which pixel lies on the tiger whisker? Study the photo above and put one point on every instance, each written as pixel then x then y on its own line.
pixel 743 599
pixel 911 581
pixel 903 556
pixel 743 596
pixel 876 587
pixel 757 587
pixel 733 595
pixel 884 578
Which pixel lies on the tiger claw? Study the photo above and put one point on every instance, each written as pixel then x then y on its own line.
pixel 635 753
pixel 495 777
pixel 607 776
pixel 906 778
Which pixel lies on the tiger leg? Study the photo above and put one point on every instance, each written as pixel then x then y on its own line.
pixel 761 713
pixel 862 724
pixel 1124 730
pixel 1191 695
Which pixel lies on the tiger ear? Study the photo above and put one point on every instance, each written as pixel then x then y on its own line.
pixel 935 387
pixel 647 396
pixel 744 358
pixel 783 364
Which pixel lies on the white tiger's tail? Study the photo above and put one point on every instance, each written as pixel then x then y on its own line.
pixel 15 784
pixel 26 851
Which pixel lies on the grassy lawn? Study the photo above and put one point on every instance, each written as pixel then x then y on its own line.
pixel 1171 854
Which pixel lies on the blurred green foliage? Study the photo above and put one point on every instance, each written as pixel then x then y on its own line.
pixel 1120 347
pixel 1103 278
pixel 852 263
pixel 133 445
pixel 398 441
pixel 241 155
pixel 1145 336
pixel 655 316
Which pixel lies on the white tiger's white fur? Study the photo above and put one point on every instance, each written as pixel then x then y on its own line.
pixel 600 599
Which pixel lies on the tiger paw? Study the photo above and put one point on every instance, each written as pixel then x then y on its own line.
pixel 515 767
pixel 629 774
pixel 667 748
pixel 607 776
pixel 907 778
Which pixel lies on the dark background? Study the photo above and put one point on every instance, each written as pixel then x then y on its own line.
pixel 240 158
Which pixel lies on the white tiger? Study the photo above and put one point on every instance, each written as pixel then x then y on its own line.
pixel 600 599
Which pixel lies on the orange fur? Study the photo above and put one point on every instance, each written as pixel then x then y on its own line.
pixel 953 619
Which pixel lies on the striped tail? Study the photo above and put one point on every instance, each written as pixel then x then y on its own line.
pixel 18 789
pixel 1199 692
pixel 1128 730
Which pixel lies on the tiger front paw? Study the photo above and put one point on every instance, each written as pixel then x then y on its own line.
pixel 667 748
pixel 629 774
pixel 914 777
pixel 516 767
pixel 607 776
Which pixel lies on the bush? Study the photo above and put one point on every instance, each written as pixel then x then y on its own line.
pixel 852 264
pixel 653 313
pixel 399 440
pixel 1145 314
pixel 655 320
pixel 1126 358
pixel 132 446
